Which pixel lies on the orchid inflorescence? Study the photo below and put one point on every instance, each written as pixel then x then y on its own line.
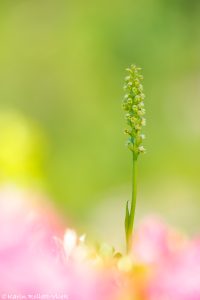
pixel 134 107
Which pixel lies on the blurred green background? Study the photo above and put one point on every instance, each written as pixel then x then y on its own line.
pixel 61 124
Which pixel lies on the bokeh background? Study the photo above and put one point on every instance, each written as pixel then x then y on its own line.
pixel 61 124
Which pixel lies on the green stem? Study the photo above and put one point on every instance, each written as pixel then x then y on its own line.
pixel 133 205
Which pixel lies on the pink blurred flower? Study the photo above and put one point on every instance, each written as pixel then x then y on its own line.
pixel 33 259
pixel 171 260
pixel 30 259
pixel 178 278
pixel 151 241
pixel 39 257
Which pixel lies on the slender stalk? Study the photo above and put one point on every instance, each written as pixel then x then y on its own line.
pixel 133 105
pixel 133 205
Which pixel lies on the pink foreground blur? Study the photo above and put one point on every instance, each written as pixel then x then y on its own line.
pixel 32 257
pixel 40 260
pixel 173 260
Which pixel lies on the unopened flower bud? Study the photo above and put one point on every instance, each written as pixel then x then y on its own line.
pixel 141 112
pixel 129 101
pixel 135 107
pixel 141 149
pixel 143 122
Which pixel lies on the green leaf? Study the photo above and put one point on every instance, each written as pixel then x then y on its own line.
pixel 127 216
